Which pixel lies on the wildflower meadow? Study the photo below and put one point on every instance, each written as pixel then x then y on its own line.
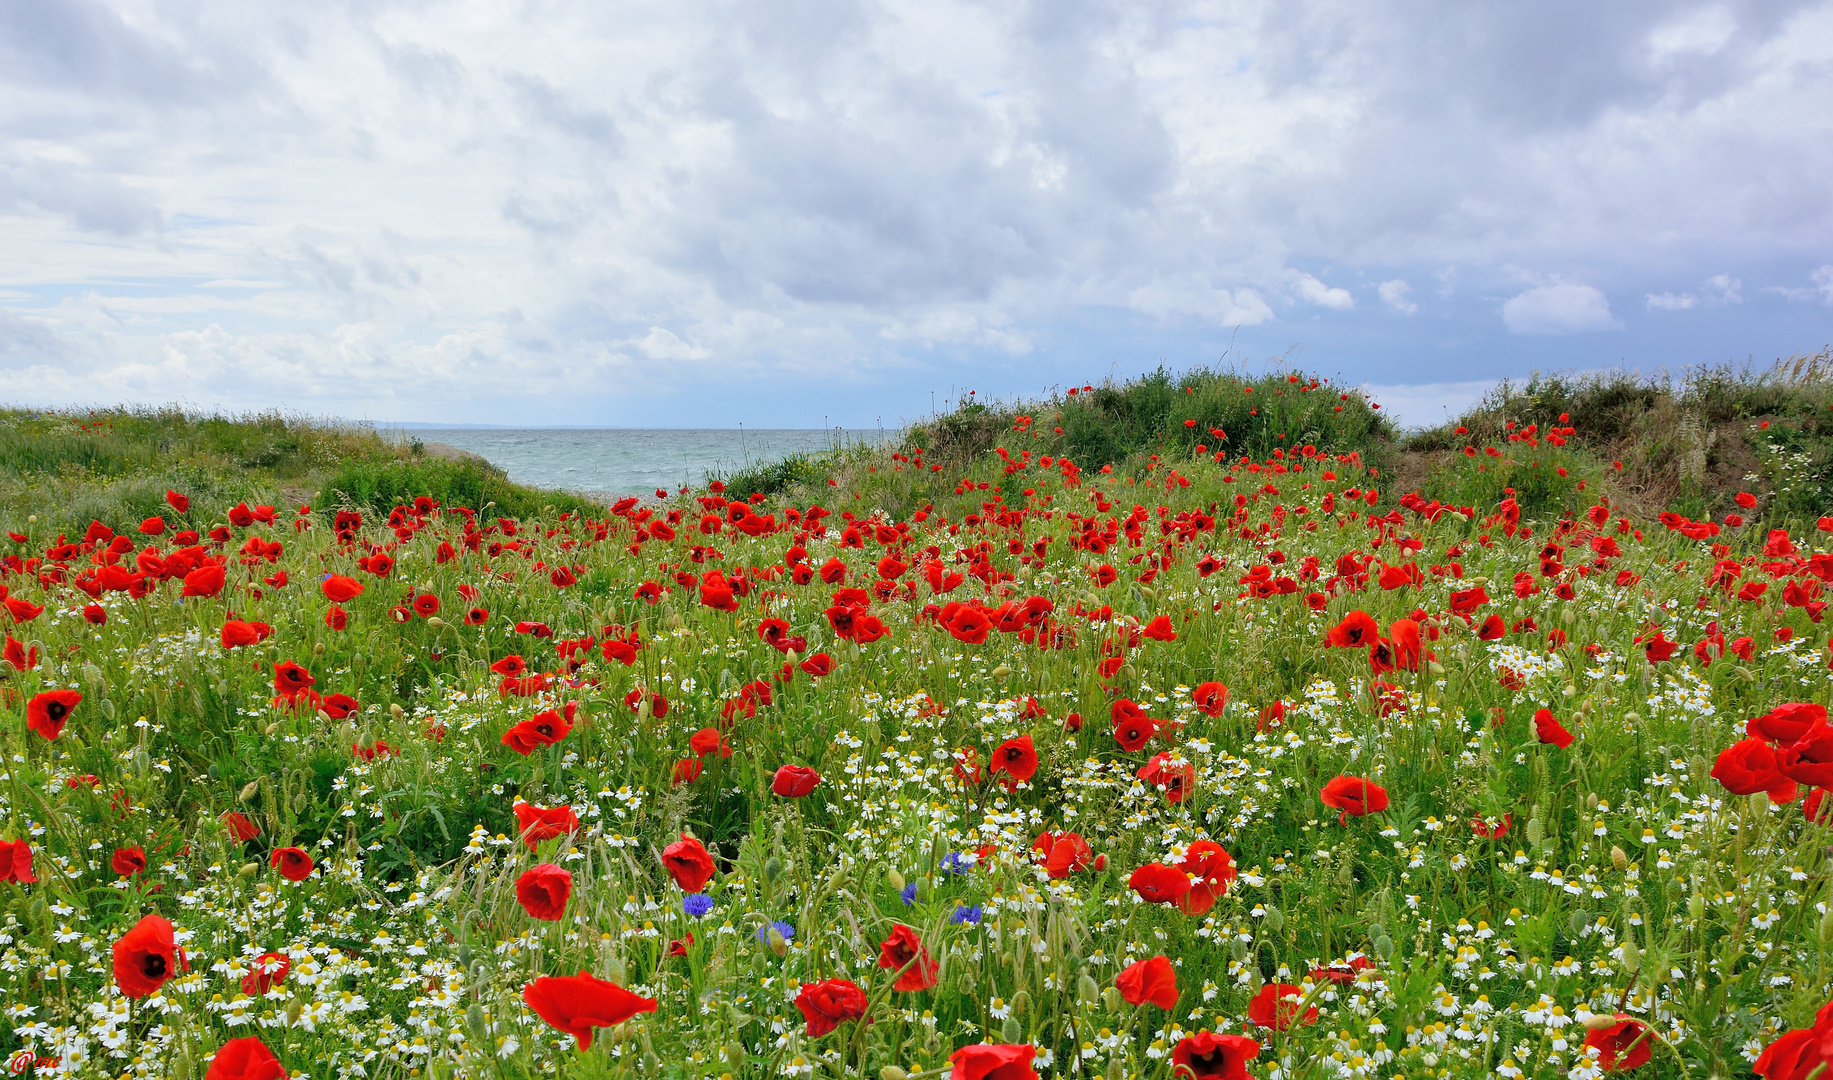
pixel 1237 764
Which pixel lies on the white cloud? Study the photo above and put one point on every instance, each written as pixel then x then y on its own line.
pixel 1668 301
pixel 865 186
pixel 1398 295
pixel 1427 404
pixel 1718 290
pixel 1313 291
pixel 1242 307
pixel 1560 308
pixel 1820 292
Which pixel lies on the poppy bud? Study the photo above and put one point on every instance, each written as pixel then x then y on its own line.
pixel 1117 1068
pixel 895 880
pixel 1111 997
pixel 318 648
pixel 273 728
pixel 892 1072
pixel 1619 858
pixel 1276 920
pixel 778 943
pixel 396 710
pixel 1759 804
pixel 1384 948
pixel 1087 989
pixel 248 870
pixel 1578 920
pixel 293 1010
pixel 615 972
pixel 773 868
pixel 1002 671
pixel 1012 1031
pixel 181 1066
pixel 474 1019
pixel 249 789
pixel 433 621
pixel 1536 832
pixel 1826 927
pixel 1599 1021
pixel 1632 957
pixel 1021 1004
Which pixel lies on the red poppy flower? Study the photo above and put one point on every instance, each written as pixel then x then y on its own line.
pixel 145 957
pixel 237 633
pixel 239 826
pixel 1149 982
pixel 1787 723
pixel 534 824
pixel 1818 806
pixel 818 665
pixel 1174 781
pixel 268 971
pixel 708 740
pixel 341 590
pixel 127 861
pixel 1548 729
pixel 688 862
pixel 337 618
pixel 969 625
pixel 245 1059
pixel 1159 629
pixel 543 891
pixel 903 948
pixel 1353 796
pixel 1797 1054
pixel 290 679
pixel 1016 758
pixel 829 1003
pixel 1157 883
pixel 178 502
pixel 48 711
pixel 578 1004
pixel 16 861
pixel 1749 766
pixel 1062 853
pixel 1625 1045
pixel 18 657
pixel 293 863
pixel 1489 829
pixel 1208 1056
pixel 1276 1007
pixel 1211 698
pixel 1357 630
pixel 794 781
pixel 686 771
pixel 993 1061
pixel 206 580
pixel 426 605
pixel 95 614
pixel 1211 870
pixel 1103 575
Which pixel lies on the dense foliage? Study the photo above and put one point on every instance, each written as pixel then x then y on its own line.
pixel 1228 763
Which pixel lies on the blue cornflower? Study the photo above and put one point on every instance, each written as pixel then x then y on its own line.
pixel 783 928
pixel 697 904
pixel 909 894
pixel 966 914
pixel 958 862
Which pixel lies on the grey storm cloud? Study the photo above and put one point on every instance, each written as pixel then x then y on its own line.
pixel 606 198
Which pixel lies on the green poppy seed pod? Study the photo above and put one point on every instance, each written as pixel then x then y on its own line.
pixel 1112 999
pixel 1116 1068
pixel 1021 1003
pixel 1088 991
pixel 1826 927
pixel 778 943
pixel 895 880
pixel 892 1072
pixel 932 1045
pixel 476 1024
pixel 1276 919
pixel 294 1009
pixel 1012 1031
pixel 1384 948
pixel 1619 858
pixel 1632 957
pixel 773 868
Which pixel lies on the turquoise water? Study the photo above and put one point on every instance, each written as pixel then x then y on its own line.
pixel 632 461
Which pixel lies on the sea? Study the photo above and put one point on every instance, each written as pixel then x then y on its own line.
pixel 634 461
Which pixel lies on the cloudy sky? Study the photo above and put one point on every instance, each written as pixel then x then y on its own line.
pixel 778 212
